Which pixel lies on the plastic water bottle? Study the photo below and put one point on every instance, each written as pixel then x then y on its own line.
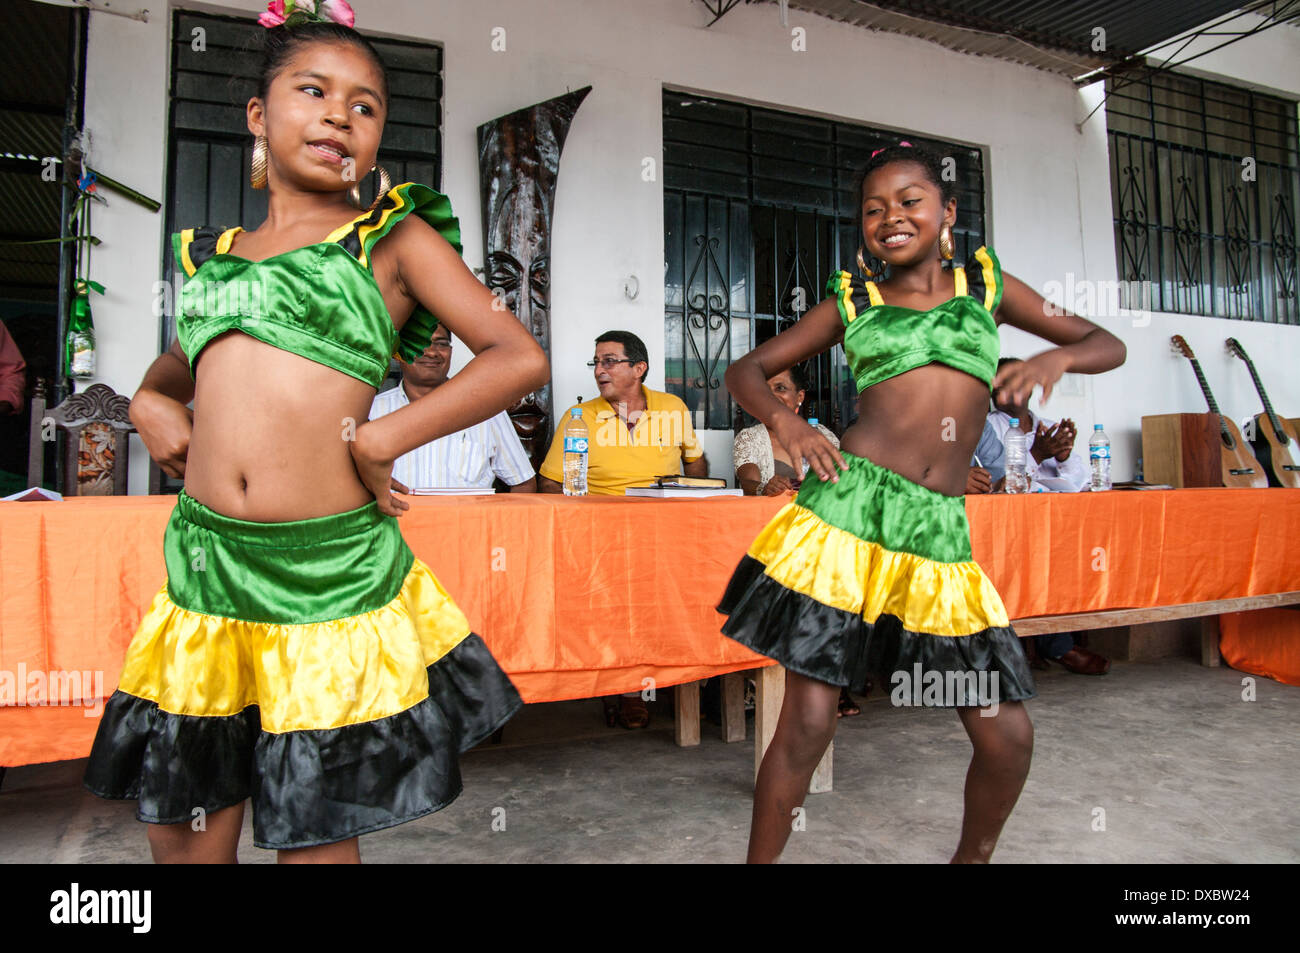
pixel 1013 443
pixel 1099 454
pixel 575 455
pixel 812 422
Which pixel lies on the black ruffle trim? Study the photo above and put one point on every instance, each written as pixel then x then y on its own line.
pixel 308 787
pixel 838 647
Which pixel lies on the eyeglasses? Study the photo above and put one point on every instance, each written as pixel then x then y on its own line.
pixel 608 362
pixel 441 344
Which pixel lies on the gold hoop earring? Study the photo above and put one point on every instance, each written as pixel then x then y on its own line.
pixel 257 169
pixel 945 243
pixel 862 264
pixel 385 183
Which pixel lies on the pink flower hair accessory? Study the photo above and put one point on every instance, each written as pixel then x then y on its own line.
pixel 883 148
pixel 294 12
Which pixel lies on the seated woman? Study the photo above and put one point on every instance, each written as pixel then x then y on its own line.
pixel 764 466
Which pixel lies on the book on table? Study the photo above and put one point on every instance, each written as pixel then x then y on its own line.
pixel 452 491
pixel 674 486
pixel 32 493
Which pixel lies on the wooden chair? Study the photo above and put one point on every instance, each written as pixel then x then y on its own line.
pixel 96 426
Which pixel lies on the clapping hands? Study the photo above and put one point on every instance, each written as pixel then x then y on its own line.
pixel 1056 441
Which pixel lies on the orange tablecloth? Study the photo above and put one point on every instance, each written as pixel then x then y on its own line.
pixel 1264 642
pixel 587 597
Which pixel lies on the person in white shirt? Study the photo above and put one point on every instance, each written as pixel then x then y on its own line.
pixel 466 459
pixel 1058 469
pixel 1050 444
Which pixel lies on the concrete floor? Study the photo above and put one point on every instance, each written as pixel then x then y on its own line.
pixel 1183 768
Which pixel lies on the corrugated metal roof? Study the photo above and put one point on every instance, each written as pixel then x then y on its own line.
pixel 1053 36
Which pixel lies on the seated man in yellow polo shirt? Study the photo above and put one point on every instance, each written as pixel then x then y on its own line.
pixel 634 434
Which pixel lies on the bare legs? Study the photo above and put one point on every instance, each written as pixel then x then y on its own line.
pixel 999 765
pixel 344 852
pixel 803 730
pixel 181 844
pixel 1003 746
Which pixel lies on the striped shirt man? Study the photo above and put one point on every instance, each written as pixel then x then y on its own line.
pixel 467 459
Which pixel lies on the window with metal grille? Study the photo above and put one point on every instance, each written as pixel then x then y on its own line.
pixel 1204 186
pixel 215 64
pixel 758 212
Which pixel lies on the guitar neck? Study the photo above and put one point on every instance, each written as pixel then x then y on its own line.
pixel 1209 399
pixel 1268 406
pixel 1205 385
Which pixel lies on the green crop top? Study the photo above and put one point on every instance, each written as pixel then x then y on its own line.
pixel 884 340
pixel 320 301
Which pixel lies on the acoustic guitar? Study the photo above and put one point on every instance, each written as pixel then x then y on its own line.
pixel 1275 441
pixel 1240 468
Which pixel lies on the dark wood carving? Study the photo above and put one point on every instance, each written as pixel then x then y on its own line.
pixel 97 422
pixel 519 163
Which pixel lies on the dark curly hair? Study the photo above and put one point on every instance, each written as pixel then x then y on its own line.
pixel 929 162
pixel 799 374
pixel 283 42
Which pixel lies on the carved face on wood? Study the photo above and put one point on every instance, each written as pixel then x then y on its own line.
pixel 525 287
pixel 519 161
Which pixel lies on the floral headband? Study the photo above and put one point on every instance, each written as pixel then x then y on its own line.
pixel 294 12
pixel 882 148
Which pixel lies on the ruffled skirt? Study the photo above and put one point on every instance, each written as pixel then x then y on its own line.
pixel 315 666
pixel 873 576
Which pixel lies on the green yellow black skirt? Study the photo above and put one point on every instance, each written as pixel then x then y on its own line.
pixel 315 666
pixel 873 576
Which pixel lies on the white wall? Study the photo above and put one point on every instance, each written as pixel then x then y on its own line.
pixel 1268 62
pixel 1049 186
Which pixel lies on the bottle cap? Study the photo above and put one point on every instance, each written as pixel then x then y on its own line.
pixel 1015 421
pixel 812 421
pixel 575 413
pixel 1096 426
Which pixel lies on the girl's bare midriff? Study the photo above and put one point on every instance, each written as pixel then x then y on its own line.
pixel 923 424
pixel 271 430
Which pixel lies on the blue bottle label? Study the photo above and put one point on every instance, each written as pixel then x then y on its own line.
pixel 575 444
pixel 1098 453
